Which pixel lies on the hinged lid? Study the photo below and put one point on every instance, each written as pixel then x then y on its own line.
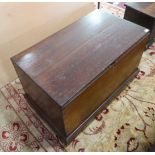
pixel 66 62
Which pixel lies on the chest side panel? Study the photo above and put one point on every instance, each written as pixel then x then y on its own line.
pixel 46 107
pixel 88 101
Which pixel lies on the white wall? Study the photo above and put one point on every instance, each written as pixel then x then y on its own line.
pixel 24 24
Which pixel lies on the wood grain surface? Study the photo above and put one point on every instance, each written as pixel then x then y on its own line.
pixel 66 62
pixel 74 72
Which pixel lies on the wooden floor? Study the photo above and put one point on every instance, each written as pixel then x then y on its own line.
pixel 24 24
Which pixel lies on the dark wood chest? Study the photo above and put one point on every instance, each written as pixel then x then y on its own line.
pixel 70 76
pixel 142 13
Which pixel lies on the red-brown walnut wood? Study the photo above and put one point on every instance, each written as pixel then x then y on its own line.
pixel 70 76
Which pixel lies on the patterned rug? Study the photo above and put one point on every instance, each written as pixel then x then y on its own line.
pixel 127 124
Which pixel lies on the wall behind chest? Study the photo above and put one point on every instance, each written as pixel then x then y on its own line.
pixel 25 24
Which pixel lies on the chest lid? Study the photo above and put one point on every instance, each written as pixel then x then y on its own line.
pixel 66 63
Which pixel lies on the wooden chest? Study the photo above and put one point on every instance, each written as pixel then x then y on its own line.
pixel 142 14
pixel 70 76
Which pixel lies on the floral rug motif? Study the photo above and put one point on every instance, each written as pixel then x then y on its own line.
pixel 127 124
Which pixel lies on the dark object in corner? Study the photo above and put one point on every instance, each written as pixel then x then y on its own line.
pixel 142 13
pixel 98 5
pixel 152 149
